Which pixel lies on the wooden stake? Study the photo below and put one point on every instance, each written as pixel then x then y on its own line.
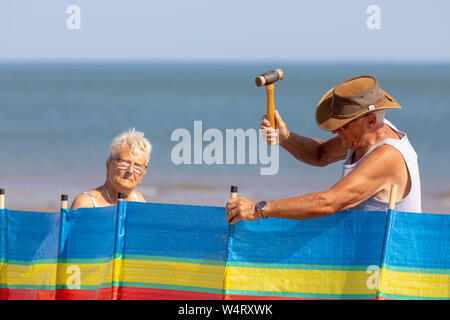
pixel 234 192
pixel 64 198
pixel 393 197
pixel 2 198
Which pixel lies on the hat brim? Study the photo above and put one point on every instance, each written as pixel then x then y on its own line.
pixel 327 121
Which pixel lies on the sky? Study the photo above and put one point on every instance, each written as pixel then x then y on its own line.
pixel 228 31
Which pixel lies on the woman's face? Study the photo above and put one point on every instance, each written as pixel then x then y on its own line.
pixel 125 171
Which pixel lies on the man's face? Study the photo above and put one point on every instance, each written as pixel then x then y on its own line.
pixel 351 133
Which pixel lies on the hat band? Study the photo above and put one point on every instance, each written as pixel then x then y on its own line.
pixel 357 113
pixel 347 116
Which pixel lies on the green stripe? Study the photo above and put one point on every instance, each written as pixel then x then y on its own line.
pixel 53 287
pixel 297 266
pixel 300 294
pixel 415 270
pixel 27 286
pixel 404 297
pixel 28 263
pixel 54 261
pixel 247 264
pixel 172 259
pixel 85 261
pixel 86 286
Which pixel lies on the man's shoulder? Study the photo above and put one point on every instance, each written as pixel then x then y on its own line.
pixel 386 157
pixel 385 152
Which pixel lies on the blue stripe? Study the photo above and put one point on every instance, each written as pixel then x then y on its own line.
pixel 3 233
pixel 120 228
pixel 170 230
pixel 32 235
pixel 345 238
pixel 419 240
pixel 88 233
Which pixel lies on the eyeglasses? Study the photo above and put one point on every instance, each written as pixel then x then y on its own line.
pixel 125 165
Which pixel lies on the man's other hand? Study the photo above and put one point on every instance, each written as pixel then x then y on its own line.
pixel 270 134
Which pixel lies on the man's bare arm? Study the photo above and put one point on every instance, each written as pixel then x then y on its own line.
pixel 313 151
pixel 379 169
pixel 308 150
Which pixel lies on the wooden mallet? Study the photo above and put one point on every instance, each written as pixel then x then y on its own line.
pixel 267 79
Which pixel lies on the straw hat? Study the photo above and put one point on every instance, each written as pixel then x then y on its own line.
pixel 352 99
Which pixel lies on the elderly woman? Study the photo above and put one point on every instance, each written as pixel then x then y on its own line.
pixel 127 162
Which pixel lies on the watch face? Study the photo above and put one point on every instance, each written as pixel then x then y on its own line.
pixel 261 205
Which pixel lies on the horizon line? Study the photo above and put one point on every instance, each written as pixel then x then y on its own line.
pixel 218 62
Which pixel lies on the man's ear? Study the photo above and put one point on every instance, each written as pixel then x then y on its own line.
pixel 371 120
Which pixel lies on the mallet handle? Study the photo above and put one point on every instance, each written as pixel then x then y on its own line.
pixel 270 105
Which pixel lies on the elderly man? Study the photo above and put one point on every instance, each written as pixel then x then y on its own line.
pixel 375 153
pixel 129 155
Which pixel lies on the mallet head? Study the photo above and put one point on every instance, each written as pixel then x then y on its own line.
pixel 269 77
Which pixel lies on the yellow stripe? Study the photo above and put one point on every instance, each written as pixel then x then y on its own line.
pixel 38 274
pixel 45 274
pixel 305 281
pixel 173 273
pixel 195 275
pixel 74 274
pixel 240 278
pixel 415 284
pixel 3 273
pixel 141 271
pixel 117 269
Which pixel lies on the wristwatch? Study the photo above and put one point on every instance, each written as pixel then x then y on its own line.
pixel 260 208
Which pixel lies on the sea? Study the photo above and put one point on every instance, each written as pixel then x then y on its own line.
pixel 57 121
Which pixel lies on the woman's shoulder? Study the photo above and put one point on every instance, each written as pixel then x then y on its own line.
pixel 139 196
pixel 86 199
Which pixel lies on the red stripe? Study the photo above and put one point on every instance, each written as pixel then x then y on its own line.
pixel 382 298
pixel 242 297
pixel 26 294
pixel 59 294
pixel 130 293
pixel 73 294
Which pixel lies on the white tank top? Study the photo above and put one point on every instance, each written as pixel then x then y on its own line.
pixel 412 202
pixel 95 203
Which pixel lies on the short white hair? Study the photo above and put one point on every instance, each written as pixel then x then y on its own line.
pixel 134 141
